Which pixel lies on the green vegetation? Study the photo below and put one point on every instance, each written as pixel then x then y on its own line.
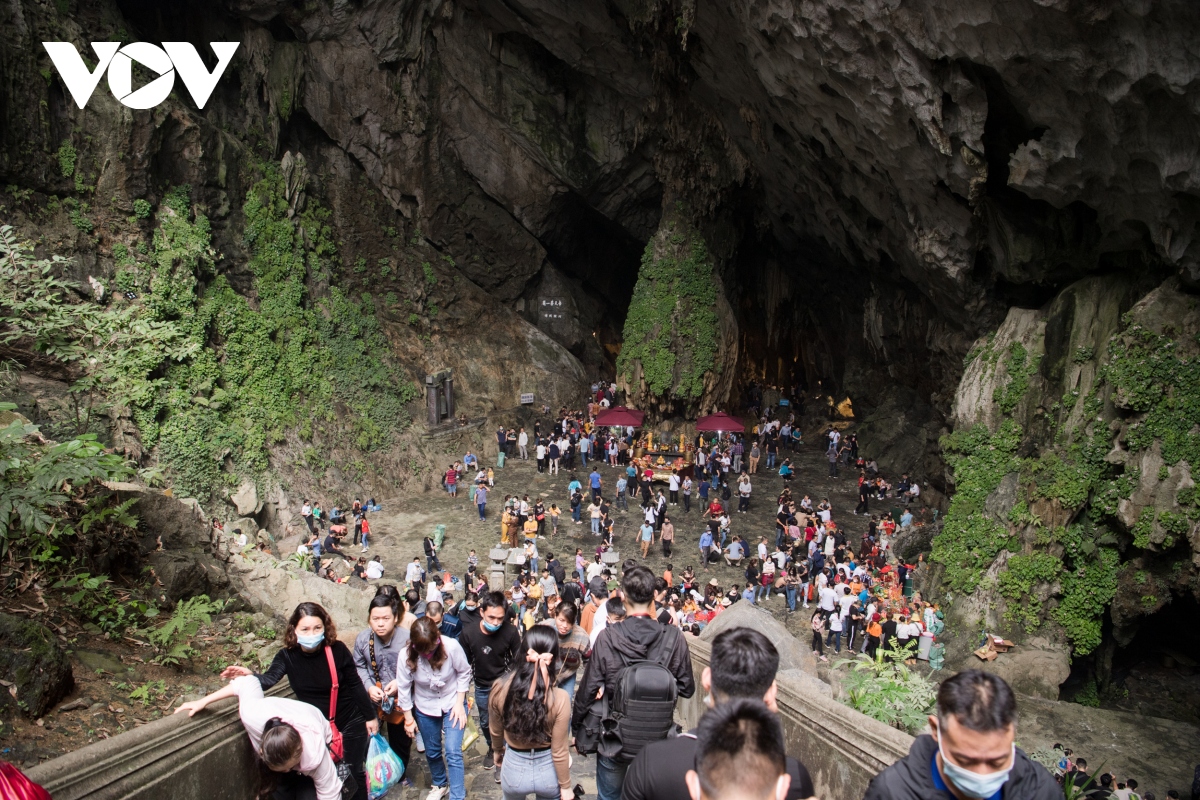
pixel 1019 367
pixel 173 639
pixel 671 328
pixel 141 209
pixel 430 275
pixel 1150 376
pixel 884 688
pixel 149 693
pixel 209 379
pixel 1088 585
pixel 970 539
pixel 1016 584
pixel 66 158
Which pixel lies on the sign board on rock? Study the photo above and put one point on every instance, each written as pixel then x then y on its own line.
pixel 526 398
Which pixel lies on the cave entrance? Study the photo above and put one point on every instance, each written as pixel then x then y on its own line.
pixel 1165 638
pixel 1157 673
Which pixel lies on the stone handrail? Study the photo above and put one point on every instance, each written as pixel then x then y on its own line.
pixel 841 748
pixel 205 757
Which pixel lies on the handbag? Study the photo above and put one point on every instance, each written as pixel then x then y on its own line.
pixel 337 750
pixel 395 716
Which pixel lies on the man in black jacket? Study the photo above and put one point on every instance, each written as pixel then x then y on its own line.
pixel 971 755
pixel 490 647
pixel 743 666
pixel 620 644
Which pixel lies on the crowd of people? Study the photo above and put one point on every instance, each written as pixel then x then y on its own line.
pixel 588 652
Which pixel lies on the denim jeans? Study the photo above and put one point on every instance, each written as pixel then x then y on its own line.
pixel 610 777
pixel 595 524
pixel 834 639
pixel 687 502
pixel 575 514
pixel 569 686
pixel 443 752
pixel 482 693
pixel 524 774
pixel 790 593
pixel 623 500
pixel 482 509
pixel 770 461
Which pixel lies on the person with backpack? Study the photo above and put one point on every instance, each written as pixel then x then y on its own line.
pixel 742 666
pixel 643 668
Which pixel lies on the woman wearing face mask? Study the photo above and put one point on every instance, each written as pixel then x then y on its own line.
pixel 376 651
pixel 308 643
pixel 288 737
pixel 432 679
pixel 530 720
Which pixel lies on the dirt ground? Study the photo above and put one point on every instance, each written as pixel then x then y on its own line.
pixel 108 672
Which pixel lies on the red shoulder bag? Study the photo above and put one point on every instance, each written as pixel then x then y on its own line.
pixel 336 750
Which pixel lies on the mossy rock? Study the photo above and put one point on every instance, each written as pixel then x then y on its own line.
pixel 31 658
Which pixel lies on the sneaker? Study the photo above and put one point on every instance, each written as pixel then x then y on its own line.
pixel 437 793
pixel 489 760
pixel 420 743
pixel 497 774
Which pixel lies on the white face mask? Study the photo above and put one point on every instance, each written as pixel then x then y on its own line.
pixel 974 784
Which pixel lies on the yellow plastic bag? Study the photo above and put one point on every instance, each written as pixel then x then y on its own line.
pixel 471 734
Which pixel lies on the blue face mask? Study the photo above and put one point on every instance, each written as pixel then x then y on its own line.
pixel 310 642
pixel 974 784
pixel 490 628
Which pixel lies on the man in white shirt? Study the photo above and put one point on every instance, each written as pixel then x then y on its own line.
pixel 673 484
pixel 414 575
pixel 523 444
pixel 826 600
pixel 762 548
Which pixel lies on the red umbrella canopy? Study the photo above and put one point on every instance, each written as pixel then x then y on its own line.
pixel 620 416
pixel 720 422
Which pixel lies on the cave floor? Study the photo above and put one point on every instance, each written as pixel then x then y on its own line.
pixel 405 519
pixel 399 528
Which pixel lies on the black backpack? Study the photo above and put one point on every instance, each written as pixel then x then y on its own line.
pixel 642 707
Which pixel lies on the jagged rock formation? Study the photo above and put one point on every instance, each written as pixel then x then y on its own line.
pixel 1075 514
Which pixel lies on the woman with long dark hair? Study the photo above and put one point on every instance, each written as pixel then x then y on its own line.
pixel 432 679
pixel 310 658
pixel 530 720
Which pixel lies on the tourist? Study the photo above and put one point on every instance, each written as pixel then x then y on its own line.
pixel 530 723
pixel 739 754
pixel 598 595
pixel 595 482
pixel 743 665
pixel 970 752
pixel 818 629
pixel 667 534
pixel 686 488
pixel 673 484
pixel 376 652
pixel 646 537
pixel 634 638
pixel 744 493
pixel 311 654
pixel 622 494
pixel 375 568
pixel 414 575
pixel 574 646
pixel 288 737
pixel 490 647
pixel 432 679
pixel 734 553
pixel 523 445
pixel 755 455
pixel 432 564
pixel 706 546
pixel 594 513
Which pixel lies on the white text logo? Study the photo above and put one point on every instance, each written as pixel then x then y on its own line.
pixel 172 57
